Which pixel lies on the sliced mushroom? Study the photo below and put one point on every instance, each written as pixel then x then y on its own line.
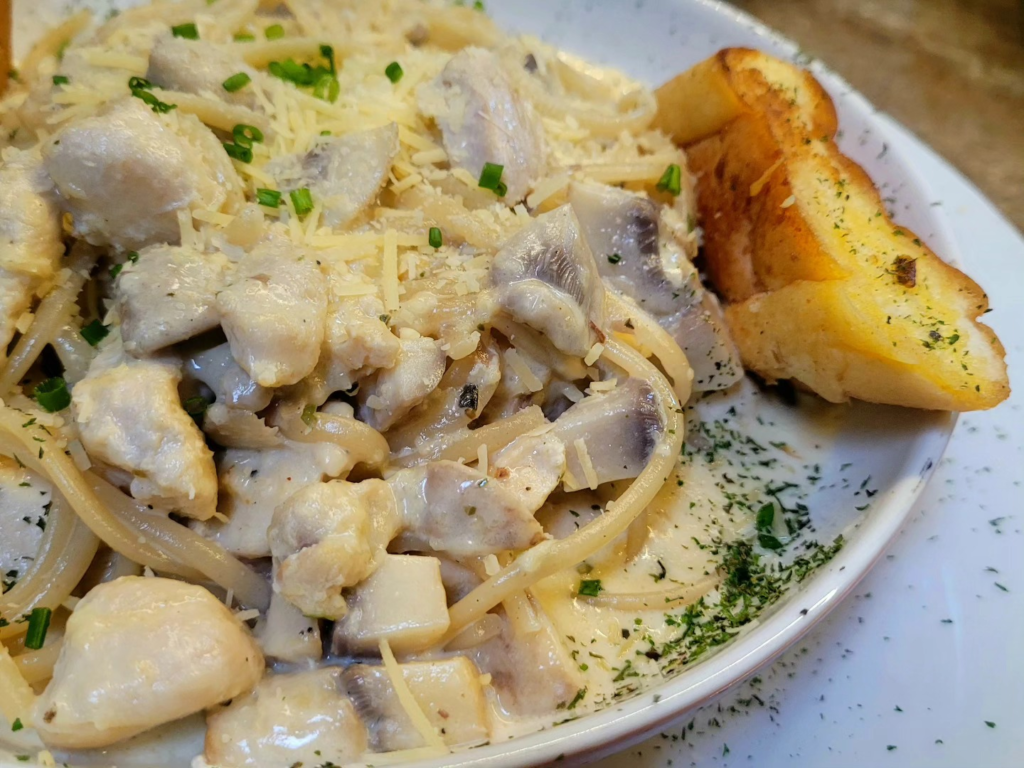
pixel 483 120
pixel 167 296
pixel 530 467
pixel 194 66
pixel 402 601
pixel 358 342
pixel 395 391
pixel 344 174
pixel 448 691
pixel 449 507
pixel 329 536
pixel 303 718
pixel 619 431
pixel 545 277
pixel 460 397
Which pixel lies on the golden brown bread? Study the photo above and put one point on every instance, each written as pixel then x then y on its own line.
pixel 821 286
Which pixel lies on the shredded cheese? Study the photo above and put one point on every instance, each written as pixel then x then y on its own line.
pixel 757 186
pixel 594 354
pixel 407 700
pixel 522 370
pixel 585 462
pixel 546 189
pixel 389 276
pixel 481 458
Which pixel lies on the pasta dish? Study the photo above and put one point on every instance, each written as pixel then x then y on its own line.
pixel 345 356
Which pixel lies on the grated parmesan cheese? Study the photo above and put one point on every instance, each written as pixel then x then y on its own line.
pixel 389 276
pixel 522 370
pixel 481 459
pixel 594 354
pixel 407 700
pixel 588 466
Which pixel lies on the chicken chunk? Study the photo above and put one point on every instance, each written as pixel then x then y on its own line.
pixel 530 467
pixel 395 391
pixel 297 719
pixel 343 173
pixel 139 652
pixel 483 120
pixel 274 312
pixel 30 236
pixel 402 601
pixel 640 252
pixel 129 416
pixel 619 430
pixel 168 295
pixel 285 634
pixel 329 536
pixel 449 507
pixel 194 66
pixel 448 691
pixel 545 277
pixel 357 341
pixel 125 173
pixel 254 482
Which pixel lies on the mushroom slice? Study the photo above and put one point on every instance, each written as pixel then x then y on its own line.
pixel 395 391
pixel 449 507
pixel 168 295
pixel 139 652
pixel 448 691
pixel 303 718
pixel 545 277
pixel 125 173
pixel 344 174
pixel 483 120
pixel 194 66
pixel 463 392
pixel 610 436
pixel 274 313
pixel 530 467
pixel 403 601
pixel 329 536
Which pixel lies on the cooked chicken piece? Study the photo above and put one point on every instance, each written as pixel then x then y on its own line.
pixel 483 120
pixel 168 295
pixel 129 416
pixel 530 668
pixel 403 601
pixel 298 719
pixel 254 482
pixel 25 504
pixel 461 395
pixel 285 634
pixel 357 341
pixel 619 430
pixel 449 507
pixel 30 236
pixel 231 420
pixel 125 173
pixel 545 277
pixel 396 390
pixel 329 536
pixel 530 467
pixel 640 256
pixel 274 312
pixel 139 652
pixel 344 174
pixel 194 66
pixel 448 691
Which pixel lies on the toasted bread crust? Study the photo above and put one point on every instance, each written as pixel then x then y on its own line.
pixel 821 286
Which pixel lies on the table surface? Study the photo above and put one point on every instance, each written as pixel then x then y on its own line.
pixel 922 665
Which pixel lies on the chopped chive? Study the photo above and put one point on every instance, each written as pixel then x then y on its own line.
pixel 61 80
pixel 614 258
pixel 394 71
pixel 327 52
pixel 302 200
pixel 236 82
pixel 325 133
pixel 139 82
pixel 238 152
pixel 196 408
pixel 274 32
pixel 590 587
pixel 140 86
pixel 271 198
pixel 490 178
pixel 308 414
pixel 186 31
pixel 327 88
pixel 434 238
pixel 38 623
pixel 53 395
pixel 245 135
pixel 17 724
pixel 671 180
pixel 244 37
pixel 95 332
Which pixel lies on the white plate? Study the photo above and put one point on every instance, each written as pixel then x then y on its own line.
pixel 897 448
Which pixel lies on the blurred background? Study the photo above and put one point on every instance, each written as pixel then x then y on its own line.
pixel 950 70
